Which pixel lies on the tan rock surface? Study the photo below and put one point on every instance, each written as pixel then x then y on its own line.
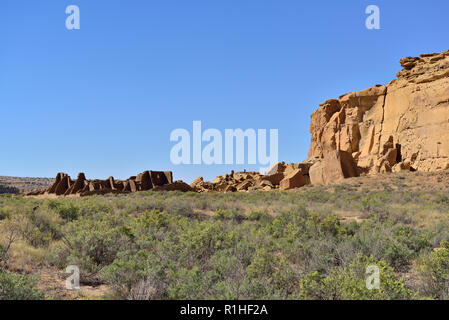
pixel 413 110
pixel 334 167
pixel 294 179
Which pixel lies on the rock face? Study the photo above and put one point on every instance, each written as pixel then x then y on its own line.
pixel 403 125
pixel 148 180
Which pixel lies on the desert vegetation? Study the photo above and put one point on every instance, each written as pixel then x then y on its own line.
pixel 310 243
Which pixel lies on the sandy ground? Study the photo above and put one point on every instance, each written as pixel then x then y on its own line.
pixel 53 283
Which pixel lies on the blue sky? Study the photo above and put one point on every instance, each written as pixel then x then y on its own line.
pixel 104 99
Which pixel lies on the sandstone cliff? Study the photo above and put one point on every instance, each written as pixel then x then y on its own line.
pixel 403 125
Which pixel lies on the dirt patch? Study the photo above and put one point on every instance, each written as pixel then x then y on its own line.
pixel 53 282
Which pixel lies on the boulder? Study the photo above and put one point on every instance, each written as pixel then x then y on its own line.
pixel 198 181
pixel 294 179
pixel 230 188
pixel 335 166
pixel 402 166
pixel 278 167
pixel 275 178
pixel 264 183
pixel 243 186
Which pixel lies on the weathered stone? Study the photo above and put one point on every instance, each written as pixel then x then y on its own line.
pixel 264 183
pixel 230 188
pixel 112 183
pixel 145 182
pixel 197 181
pixel 412 112
pixel 402 166
pixel 335 166
pixel 278 167
pixel 132 185
pixel 79 184
pixel 63 185
pixel 274 178
pixel 293 180
pixel 391 156
pixel 174 186
pixel 217 180
pixel 159 178
pixel 55 184
pixel 243 186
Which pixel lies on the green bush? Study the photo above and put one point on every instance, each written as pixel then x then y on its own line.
pixel 66 210
pixel 91 245
pixel 255 245
pixel 228 215
pixel 350 283
pixel 434 272
pixel 18 287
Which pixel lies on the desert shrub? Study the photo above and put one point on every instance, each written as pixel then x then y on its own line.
pixel 331 225
pixel 18 287
pixel 259 216
pixel 66 210
pixel 126 272
pixel 148 289
pixel 190 284
pixel 4 212
pixel 256 245
pixel 269 276
pixel 229 215
pixel 434 273
pixel 373 202
pixel 9 233
pixel 42 228
pixel 350 283
pixel 90 244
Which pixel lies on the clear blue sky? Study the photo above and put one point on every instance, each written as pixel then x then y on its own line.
pixel 104 99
